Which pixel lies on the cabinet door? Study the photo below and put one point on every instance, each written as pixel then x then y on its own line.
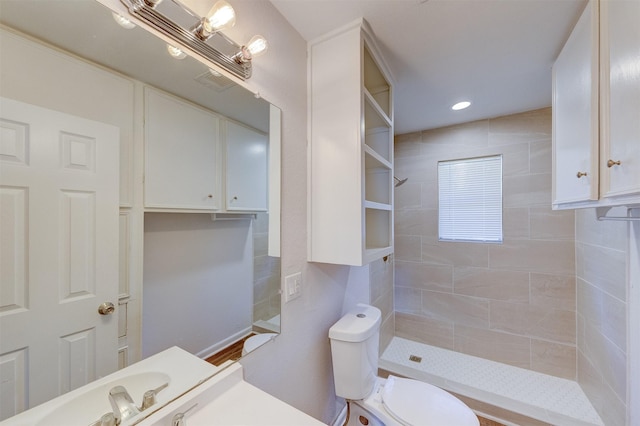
pixel 620 96
pixel 181 143
pixel 575 113
pixel 246 169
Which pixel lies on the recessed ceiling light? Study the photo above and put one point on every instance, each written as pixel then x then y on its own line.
pixel 461 105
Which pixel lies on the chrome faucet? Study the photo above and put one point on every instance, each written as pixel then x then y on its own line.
pixel 122 404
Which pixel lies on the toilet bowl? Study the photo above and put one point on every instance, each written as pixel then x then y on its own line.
pixel 385 402
pixel 256 341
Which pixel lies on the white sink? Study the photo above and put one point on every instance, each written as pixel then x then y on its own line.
pixel 85 405
pixel 226 399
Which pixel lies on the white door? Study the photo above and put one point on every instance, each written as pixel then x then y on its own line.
pixel 58 253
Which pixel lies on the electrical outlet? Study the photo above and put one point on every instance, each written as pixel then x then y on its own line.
pixel 292 286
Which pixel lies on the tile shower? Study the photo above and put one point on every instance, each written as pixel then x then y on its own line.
pixel 541 300
pixel 512 302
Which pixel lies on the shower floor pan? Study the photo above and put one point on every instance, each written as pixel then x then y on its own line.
pixel 548 399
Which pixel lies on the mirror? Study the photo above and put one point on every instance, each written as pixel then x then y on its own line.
pixel 240 273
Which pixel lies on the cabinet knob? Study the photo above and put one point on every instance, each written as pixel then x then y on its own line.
pixel 210 196
pixel 612 163
pixel 580 174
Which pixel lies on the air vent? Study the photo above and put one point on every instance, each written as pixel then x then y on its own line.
pixel 218 83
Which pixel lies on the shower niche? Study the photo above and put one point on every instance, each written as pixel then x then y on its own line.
pixel 351 162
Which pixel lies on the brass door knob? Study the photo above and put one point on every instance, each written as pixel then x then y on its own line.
pixel 612 163
pixel 107 308
pixel 580 174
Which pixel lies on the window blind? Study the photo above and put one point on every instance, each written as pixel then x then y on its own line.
pixel 470 199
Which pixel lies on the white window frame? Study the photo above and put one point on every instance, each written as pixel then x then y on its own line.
pixel 470 200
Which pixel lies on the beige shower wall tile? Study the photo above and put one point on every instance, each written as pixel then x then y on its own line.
pixel 424 330
pixel 453 139
pixel 609 234
pixel 385 303
pixel 553 358
pixel 407 300
pixel 604 268
pixel 419 168
pixel 455 308
pixel 540 156
pixel 527 190
pixel 515 159
pixel 423 222
pixel 535 321
pixel 553 291
pixel 555 257
pixel 610 360
pixel 602 313
pixel 381 276
pixel 424 276
pixel 547 224
pixel 386 334
pixel 454 253
pixel 408 247
pixel 407 196
pixel 523 127
pixel 496 346
pixel 407 145
pixel 494 284
pixel 429 195
pixel 515 223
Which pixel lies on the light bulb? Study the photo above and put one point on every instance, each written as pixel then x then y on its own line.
pixel 122 21
pixel 175 52
pixel 257 46
pixel 220 16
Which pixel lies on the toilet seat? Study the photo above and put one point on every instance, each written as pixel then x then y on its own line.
pixel 412 402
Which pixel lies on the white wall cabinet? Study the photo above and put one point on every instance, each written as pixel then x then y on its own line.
pixel 181 154
pixel 351 149
pixel 596 109
pixel 246 168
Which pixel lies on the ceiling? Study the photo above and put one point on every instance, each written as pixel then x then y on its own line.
pixel 497 54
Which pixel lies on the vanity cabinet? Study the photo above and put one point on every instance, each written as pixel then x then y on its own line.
pixel 351 149
pixel 181 154
pixel 246 168
pixel 596 109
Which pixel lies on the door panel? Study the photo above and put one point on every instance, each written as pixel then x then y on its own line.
pixel 59 252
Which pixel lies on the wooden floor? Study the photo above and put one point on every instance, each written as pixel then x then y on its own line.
pixel 233 353
pixel 487 422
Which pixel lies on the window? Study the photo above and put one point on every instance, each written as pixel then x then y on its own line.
pixel 470 199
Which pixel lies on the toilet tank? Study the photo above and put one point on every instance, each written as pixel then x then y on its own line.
pixel 354 351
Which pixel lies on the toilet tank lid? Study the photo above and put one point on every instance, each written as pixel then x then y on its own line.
pixel 356 325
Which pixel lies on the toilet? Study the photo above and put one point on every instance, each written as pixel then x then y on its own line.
pixel 394 401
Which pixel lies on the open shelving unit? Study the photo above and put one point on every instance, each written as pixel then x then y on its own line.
pixel 351 162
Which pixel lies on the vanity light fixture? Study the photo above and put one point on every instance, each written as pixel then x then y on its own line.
pixel 220 17
pixel 461 105
pixel 256 47
pixel 162 15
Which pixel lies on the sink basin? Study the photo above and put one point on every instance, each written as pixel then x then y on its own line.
pixel 228 400
pixel 85 405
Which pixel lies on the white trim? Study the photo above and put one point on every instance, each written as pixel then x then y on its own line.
pixel 633 321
